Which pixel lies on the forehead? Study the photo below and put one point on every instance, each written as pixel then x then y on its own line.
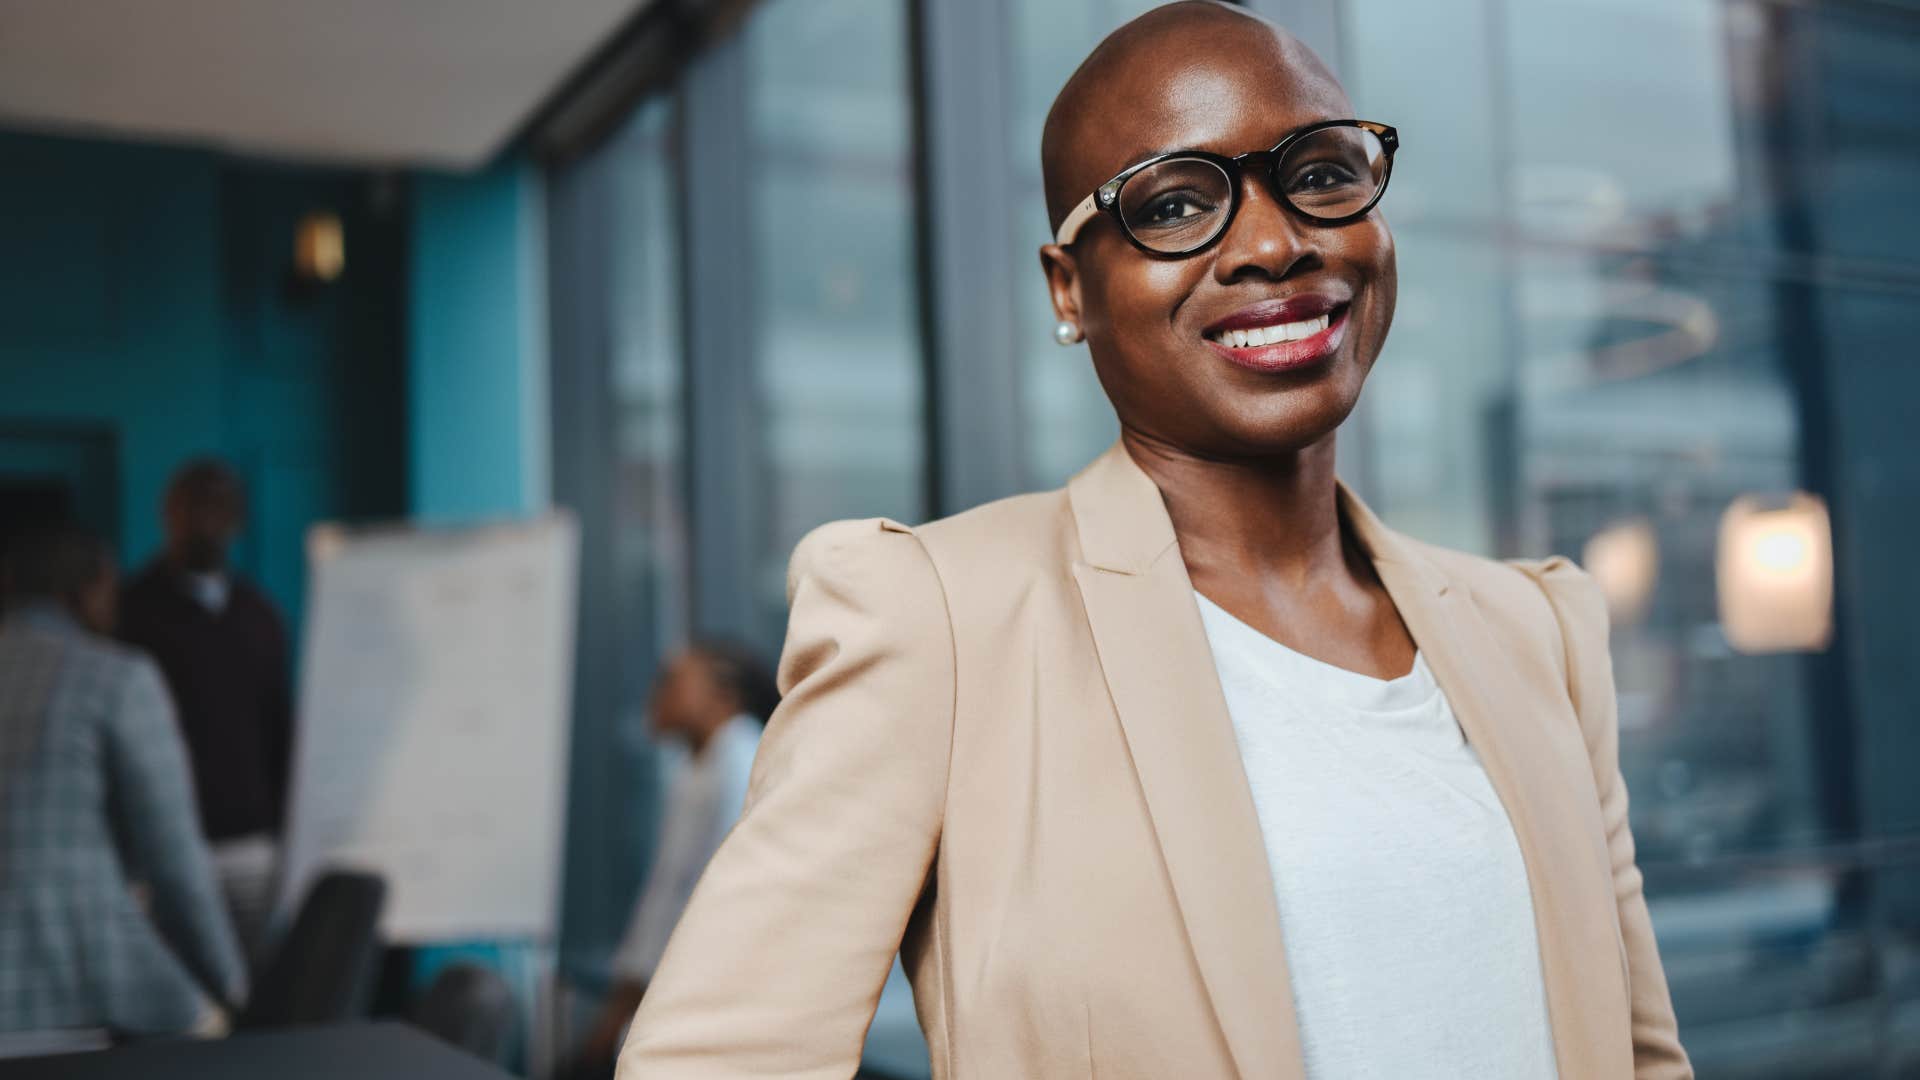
pixel 691 664
pixel 210 503
pixel 1227 89
pixel 198 492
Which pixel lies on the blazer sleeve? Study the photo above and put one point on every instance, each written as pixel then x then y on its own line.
pixel 153 803
pixel 1581 610
pixel 777 964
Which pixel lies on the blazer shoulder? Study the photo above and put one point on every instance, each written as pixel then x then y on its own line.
pixel 1548 600
pixel 1527 585
pixel 1004 538
pixel 1566 586
pixel 974 564
pixel 108 661
pixel 999 539
pixel 106 676
pixel 879 550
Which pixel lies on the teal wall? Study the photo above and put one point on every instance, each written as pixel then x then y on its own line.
pixel 110 300
pixel 145 307
pixel 478 400
pixel 147 315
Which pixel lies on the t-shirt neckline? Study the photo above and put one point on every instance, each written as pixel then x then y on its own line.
pixel 1295 671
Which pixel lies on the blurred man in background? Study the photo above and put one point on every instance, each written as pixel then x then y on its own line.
pixel 713 698
pixel 223 650
pixel 94 796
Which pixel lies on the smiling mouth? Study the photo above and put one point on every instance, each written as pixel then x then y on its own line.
pixel 1274 333
pixel 1282 346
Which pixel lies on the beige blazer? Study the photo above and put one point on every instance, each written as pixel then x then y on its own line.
pixel 1004 752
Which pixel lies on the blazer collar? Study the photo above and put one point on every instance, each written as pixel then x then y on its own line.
pixel 1121 517
pixel 1124 527
pixel 1159 668
pixel 47 616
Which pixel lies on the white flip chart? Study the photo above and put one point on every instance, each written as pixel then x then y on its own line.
pixel 431 743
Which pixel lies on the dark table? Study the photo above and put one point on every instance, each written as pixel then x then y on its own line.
pixel 383 1051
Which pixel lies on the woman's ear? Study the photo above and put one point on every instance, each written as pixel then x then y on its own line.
pixel 1063 283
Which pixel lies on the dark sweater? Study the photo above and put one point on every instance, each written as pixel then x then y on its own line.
pixel 228 673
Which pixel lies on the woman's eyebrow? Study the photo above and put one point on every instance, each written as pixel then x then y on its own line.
pixel 1148 155
pixel 1189 148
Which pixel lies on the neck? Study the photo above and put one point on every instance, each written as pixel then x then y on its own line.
pixel 703 738
pixel 1272 518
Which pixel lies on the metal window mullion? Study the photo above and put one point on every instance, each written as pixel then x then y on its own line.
pixel 726 489
pixel 968 302
pixel 583 437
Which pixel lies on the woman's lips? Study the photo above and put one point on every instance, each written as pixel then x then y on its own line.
pixel 1285 355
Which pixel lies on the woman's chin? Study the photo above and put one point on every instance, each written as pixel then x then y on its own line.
pixel 1290 419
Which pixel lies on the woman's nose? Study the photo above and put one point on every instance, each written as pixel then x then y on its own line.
pixel 1264 239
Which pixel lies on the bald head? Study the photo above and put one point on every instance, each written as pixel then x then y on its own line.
pixel 1167 64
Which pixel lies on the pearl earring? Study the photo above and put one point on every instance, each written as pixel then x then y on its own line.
pixel 1065 333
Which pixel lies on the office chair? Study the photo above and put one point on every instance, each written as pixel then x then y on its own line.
pixel 321 972
pixel 470 1007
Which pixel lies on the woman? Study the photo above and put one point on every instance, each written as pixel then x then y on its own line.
pixel 1192 769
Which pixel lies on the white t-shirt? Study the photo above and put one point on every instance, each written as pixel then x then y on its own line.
pixel 703 801
pixel 1403 898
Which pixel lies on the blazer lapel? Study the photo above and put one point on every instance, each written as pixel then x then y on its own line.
pixel 1159 668
pixel 1529 742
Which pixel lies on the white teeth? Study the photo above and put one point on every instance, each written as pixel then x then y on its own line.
pixel 1268 335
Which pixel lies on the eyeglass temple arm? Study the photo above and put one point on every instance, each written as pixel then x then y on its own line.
pixel 1070 228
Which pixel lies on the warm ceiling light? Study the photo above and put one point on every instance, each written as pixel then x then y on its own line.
pixel 1775 574
pixel 319 247
pixel 1624 558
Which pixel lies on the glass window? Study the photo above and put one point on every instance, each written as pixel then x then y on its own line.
pixel 1611 343
pixel 834 311
pixel 649 534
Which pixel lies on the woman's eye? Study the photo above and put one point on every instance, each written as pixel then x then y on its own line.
pixel 1171 207
pixel 1321 176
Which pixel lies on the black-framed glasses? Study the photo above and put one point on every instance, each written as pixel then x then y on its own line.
pixel 1330 173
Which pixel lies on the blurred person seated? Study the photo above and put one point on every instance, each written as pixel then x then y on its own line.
pixel 713 698
pixel 223 649
pixel 95 797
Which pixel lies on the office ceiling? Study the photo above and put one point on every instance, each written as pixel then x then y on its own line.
pixel 441 83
